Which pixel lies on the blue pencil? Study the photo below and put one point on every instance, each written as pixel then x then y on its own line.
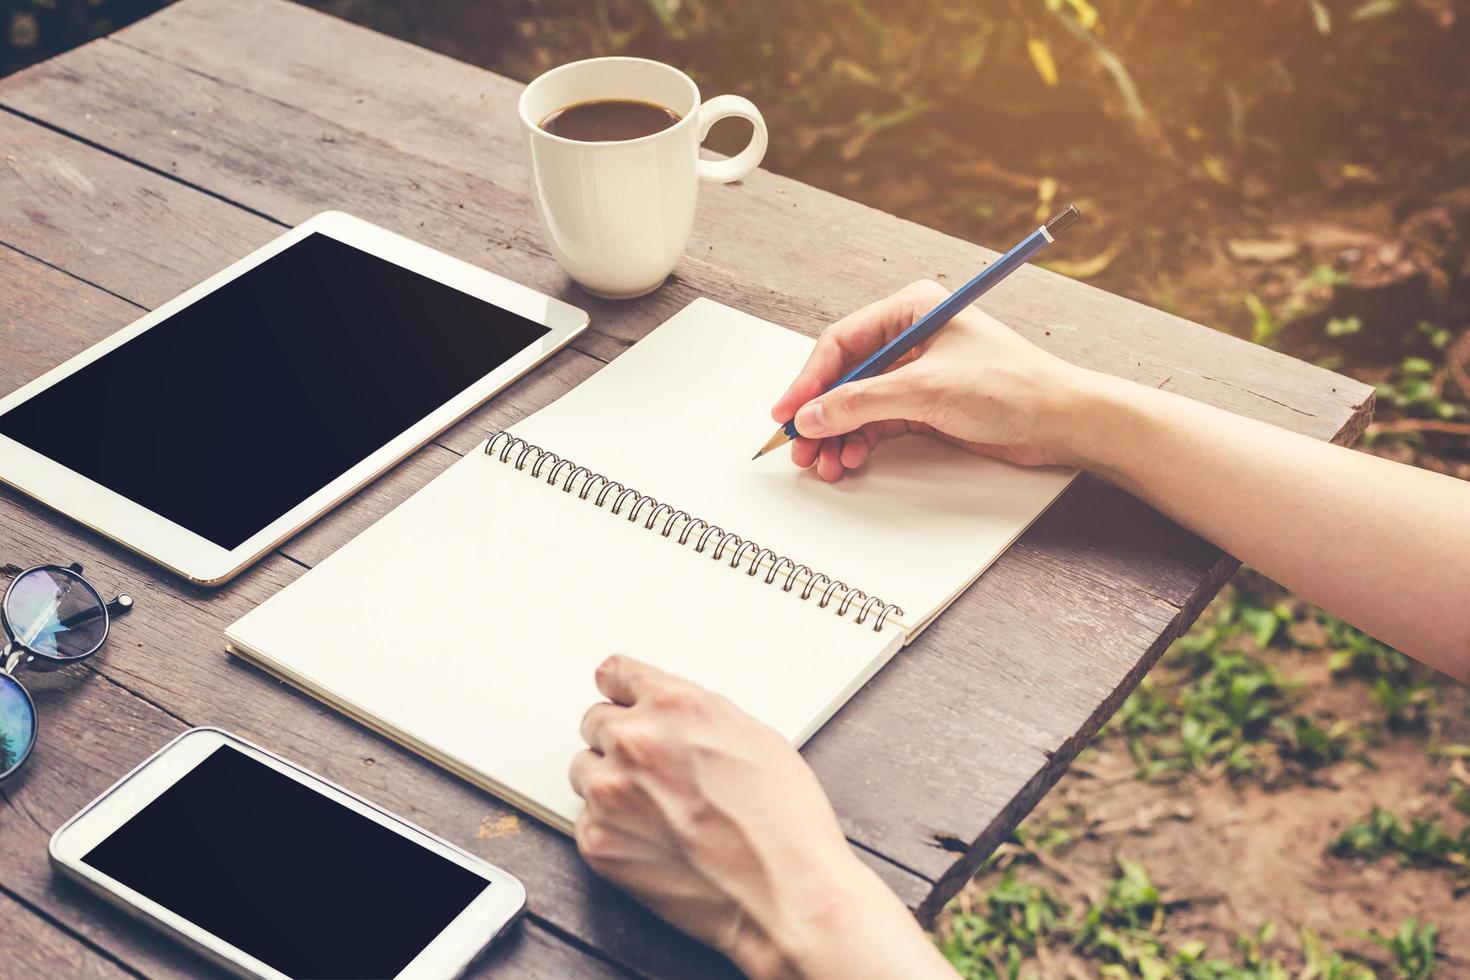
pixel 932 322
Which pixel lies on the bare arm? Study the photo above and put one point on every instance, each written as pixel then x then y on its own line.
pixel 1382 545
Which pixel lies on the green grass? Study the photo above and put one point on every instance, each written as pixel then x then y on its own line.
pixel 1220 704
pixel 1407 701
pixel 1355 653
pixel 1000 936
pixel 1219 707
pixel 1314 745
pixel 1011 921
pixel 1267 324
pixel 1217 721
pixel 1049 832
pixel 1325 964
pixel 1461 797
pixel 1414 949
pixel 1417 388
pixel 1423 843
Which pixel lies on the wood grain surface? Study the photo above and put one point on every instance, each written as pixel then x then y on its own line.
pixel 137 165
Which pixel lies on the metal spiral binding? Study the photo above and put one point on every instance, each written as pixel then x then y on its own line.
pixel 555 470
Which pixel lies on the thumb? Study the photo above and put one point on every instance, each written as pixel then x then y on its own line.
pixel 889 396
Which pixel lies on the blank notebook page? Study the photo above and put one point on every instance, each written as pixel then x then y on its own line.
pixel 679 414
pixel 467 624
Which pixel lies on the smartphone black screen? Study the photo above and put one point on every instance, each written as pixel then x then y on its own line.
pixel 286 874
pixel 234 410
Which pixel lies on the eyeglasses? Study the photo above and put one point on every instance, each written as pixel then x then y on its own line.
pixel 52 617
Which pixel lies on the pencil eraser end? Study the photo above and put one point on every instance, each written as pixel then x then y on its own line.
pixel 1064 219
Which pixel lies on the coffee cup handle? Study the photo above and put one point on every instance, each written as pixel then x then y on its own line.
pixel 742 163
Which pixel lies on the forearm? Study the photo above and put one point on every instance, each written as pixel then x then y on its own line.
pixel 1384 546
pixel 846 926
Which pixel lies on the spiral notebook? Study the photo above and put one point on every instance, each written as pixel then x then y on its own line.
pixel 628 517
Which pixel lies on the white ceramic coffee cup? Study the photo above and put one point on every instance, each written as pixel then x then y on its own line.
pixel 617 215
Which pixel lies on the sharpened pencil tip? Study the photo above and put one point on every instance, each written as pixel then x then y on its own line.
pixel 779 439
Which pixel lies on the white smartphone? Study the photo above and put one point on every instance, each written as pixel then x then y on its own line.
pixel 272 871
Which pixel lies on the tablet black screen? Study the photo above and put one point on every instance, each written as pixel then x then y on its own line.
pixel 228 414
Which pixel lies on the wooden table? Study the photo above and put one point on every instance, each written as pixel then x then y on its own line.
pixel 135 166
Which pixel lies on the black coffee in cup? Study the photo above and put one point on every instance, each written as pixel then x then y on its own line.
pixel 613 147
pixel 609 120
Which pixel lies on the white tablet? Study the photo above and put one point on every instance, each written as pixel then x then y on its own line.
pixel 218 425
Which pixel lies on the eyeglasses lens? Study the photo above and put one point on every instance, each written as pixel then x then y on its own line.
pixel 56 613
pixel 17 724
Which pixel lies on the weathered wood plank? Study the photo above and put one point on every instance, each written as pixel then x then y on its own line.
pixel 195 681
pixel 531 952
pixel 34 947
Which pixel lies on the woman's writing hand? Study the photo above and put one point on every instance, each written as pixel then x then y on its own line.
pixel 976 383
